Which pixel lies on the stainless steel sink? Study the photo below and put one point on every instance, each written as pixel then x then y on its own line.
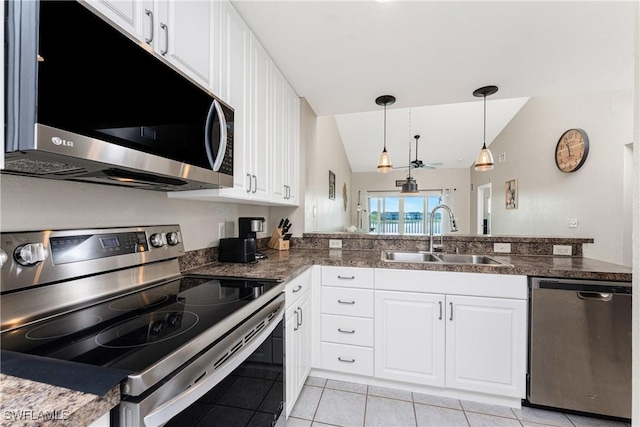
pixel 440 258
pixel 469 259
pixel 409 256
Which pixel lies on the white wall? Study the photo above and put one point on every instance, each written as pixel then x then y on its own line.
pixel 548 198
pixel 324 152
pixel 38 204
pixel 438 179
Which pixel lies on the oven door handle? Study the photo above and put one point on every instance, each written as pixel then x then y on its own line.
pixel 163 413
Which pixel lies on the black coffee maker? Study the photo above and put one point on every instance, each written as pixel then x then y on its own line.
pixel 248 227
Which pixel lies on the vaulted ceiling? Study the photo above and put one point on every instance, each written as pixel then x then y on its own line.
pixel 431 55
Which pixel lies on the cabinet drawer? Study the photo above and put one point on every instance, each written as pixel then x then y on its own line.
pixel 350 277
pixel 347 358
pixel 347 330
pixel 296 287
pixel 347 302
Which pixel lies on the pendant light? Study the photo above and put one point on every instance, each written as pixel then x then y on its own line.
pixel 484 161
pixel 384 165
pixel 410 186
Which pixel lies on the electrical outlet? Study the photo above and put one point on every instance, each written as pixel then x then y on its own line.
pixel 562 250
pixel 503 248
pixel 573 223
pixel 335 243
pixel 221 230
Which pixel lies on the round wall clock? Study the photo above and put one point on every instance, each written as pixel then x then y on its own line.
pixel 572 150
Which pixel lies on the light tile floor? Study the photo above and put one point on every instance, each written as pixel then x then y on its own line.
pixel 337 403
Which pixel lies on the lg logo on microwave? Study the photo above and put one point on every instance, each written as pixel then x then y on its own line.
pixel 62 142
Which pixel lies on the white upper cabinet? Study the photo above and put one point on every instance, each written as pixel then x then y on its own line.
pixel 209 42
pixel 189 36
pixel 285 139
pixel 182 31
pixel 261 120
pixel 126 14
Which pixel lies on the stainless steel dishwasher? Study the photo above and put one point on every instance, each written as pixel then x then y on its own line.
pixel 580 346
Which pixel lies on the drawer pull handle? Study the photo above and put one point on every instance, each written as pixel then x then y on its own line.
pixel 346 332
pixel 297 289
pixel 451 317
pixel 346 302
pixel 346 360
pixel 440 302
pixel 346 277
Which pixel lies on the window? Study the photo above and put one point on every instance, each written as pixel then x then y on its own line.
pixel 392 213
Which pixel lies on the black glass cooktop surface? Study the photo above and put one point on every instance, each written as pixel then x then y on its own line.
pixel 136 330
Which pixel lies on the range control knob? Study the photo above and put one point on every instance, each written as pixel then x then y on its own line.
pixel 30 254
pixel 173 238
pixel 3 258
pixel 157 240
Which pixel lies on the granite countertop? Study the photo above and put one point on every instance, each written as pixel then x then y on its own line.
pixel 285 265
pixel 28 403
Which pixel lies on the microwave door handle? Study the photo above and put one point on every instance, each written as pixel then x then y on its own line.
pixel 222 148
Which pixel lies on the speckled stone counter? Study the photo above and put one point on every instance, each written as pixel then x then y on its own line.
pixel 29 403
pixel 285 265
pixel 465 243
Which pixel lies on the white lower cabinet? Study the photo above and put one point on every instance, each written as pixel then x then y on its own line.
pixel 410 336
pixel 486 345
pixel 469 343
pixel 346 342
pixel 297 337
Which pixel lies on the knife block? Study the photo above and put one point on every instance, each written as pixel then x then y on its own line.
pixel 277 242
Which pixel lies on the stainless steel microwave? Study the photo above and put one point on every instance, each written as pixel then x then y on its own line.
pixel 85 102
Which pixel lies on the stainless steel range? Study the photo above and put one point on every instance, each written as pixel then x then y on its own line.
pixel 115 298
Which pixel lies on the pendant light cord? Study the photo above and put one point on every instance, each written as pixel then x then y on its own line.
pixel 484 137
pixel 385 126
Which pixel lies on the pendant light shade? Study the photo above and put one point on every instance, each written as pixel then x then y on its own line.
pixel 410 185
pixel 484 161
pixel 384 164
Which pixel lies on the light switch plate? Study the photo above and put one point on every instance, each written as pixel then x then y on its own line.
pixel 502 248
pixel 221 230
pixel 562 250
pixel 335 243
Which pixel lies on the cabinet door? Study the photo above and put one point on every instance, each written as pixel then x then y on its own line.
pixel 304 340
pixel 126 14
pixel 486 345
pixel 409 337
pixel 292 318
pixel 234 89
pixel 279 143
pixel 185 36
pixel 298 348
pixel 260 118
pixel 292 156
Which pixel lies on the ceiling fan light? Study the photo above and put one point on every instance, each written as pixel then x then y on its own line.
pixel 484 161
pixel 384 164
pixel 410 186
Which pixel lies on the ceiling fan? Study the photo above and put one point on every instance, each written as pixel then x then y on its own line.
pixel 419 164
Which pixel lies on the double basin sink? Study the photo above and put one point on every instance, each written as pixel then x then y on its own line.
pixel 441 258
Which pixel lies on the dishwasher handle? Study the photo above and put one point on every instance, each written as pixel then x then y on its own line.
pixel 595 296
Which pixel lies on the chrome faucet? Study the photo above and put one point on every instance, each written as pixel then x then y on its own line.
pixel 452 219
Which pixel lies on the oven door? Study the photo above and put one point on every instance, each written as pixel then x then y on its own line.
pixel 217 371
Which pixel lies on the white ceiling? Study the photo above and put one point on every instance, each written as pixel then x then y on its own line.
pixel 342 55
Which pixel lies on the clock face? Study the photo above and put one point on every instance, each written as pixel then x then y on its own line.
pixel 572 150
